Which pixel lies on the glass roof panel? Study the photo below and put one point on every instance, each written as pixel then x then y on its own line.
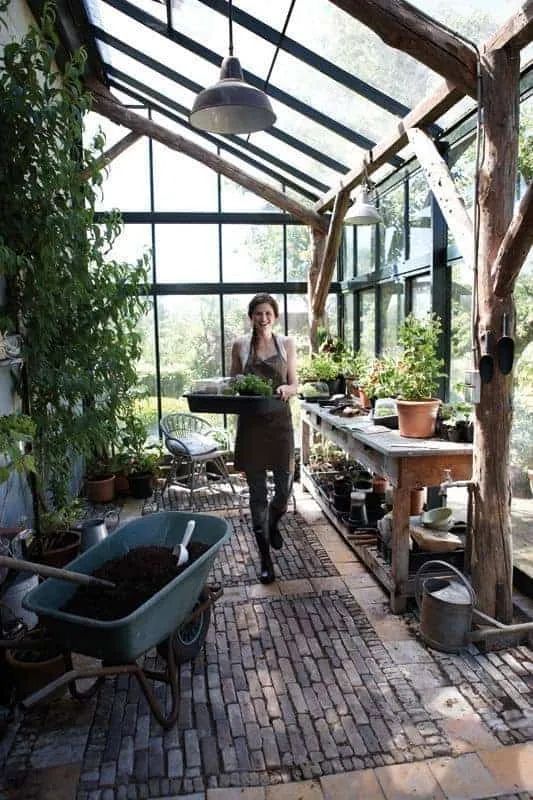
pixel 147 41
pixel 322 92
pixel 211 29
pixel 337 36
pixel 296 158
pixel 476 20
pixel 152 79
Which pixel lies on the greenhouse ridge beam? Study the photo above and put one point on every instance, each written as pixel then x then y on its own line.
pixel 192 86
pixel 129 84
pixel 106 105
pixel 312 59
pixel 402 26
pixel 200 50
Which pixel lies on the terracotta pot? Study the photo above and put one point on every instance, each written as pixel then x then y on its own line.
pixel 30 676
pixel 61 556
pixel 417 418
pixel 101 490
pixel 418 498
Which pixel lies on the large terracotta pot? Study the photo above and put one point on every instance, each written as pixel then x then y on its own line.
pixel 101 490
pixel 417 418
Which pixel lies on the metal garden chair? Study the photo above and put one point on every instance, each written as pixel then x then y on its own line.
pixel 194 444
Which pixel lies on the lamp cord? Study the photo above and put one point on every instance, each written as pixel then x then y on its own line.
pixel 230 19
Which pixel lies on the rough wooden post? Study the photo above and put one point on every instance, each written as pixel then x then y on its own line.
pixel 492 567
pixel 318 239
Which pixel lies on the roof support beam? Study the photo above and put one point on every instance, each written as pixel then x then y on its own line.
pixel 113 152
pixel 427 111
pixel 441 184
pixel 516 32
pixel 331 251
pixel 515 247
pixel 105 104
pixel 404 27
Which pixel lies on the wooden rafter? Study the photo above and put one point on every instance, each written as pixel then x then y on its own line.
pixel 113 152
pixel 108 106
pixel 318 239
pixel 441 184
pixel 516 32
pixel 404 27
pixel 426 112
pixel 331 251
pixel 515 247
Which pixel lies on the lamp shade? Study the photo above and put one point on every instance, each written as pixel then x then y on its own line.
pixel 363 212
pixel 232 105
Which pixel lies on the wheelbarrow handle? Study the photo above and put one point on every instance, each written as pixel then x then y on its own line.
pixel 54 572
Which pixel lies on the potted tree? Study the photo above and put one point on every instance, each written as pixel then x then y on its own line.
pixel 418 370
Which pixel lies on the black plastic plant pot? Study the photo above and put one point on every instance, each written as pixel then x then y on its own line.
pixel 141 485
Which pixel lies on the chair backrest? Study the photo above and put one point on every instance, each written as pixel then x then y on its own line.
pixel 178 425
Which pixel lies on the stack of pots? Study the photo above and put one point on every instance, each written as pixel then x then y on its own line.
pixel 342 487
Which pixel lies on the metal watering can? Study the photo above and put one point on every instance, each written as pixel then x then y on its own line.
pixel 93 531
pixel 446 601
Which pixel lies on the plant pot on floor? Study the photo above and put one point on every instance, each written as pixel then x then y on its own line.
pixel 32 670
pixel 67 548
pixel 122 485
pixel 100 489
pixel 417 418
pixel 141 485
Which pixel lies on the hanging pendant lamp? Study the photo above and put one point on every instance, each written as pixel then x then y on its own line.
pixel 232 105
pixel 363 211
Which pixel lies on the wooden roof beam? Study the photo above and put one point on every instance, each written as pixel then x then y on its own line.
pixel 404 27
pixel 515 247
pixel 331 251
pixel 108 106
pixel 114 151
pixel 441 184
pixel 516 32
pixel 427 111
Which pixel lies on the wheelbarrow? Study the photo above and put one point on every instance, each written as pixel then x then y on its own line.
pixel 175 619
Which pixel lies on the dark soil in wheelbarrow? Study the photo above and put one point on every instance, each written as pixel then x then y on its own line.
pixel 138 575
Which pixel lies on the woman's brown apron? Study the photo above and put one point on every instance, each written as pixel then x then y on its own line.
pixel 266 441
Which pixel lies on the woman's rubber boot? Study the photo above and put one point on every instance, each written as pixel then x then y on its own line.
pixel 276 540
pixel 267 568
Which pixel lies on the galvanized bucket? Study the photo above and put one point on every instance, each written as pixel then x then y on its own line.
pixel 446 600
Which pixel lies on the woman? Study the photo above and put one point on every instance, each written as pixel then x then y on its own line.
pixel 266 441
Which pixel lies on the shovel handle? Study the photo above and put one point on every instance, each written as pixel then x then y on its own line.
pixel 54 572
pixel 188 532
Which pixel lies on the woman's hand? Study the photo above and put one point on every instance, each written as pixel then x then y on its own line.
pixel 285 391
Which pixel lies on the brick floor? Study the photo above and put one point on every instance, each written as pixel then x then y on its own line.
pixel 299 693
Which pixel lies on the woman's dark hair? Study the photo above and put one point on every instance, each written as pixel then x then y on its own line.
pixel 263 298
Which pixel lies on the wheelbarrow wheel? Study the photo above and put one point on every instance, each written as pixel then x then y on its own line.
pixel 188 640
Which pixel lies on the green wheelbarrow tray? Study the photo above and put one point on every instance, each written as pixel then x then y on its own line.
pixel 121 641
